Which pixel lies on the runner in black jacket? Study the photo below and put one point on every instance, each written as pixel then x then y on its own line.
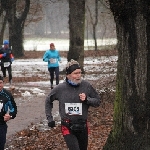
pixel 8 110
pixel 6 58
pixel 75 96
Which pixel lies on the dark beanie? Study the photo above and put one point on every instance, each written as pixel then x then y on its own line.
pixel 72 65
pixel 72 68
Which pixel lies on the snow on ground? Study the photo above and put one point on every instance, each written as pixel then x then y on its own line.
pixel 99 68
pixel 41 44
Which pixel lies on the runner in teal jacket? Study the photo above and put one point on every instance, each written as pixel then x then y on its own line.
pixel 53 58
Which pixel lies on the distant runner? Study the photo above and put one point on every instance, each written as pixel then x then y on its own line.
pixel 6 58
pixel 53 58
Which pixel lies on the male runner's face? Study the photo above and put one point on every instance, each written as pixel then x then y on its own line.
pixel 6 46
pixel 75 76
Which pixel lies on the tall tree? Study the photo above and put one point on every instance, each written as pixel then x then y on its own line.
pixel 94 21
pixel 76 30
pixel 131 130
pixel 3 25
pixel 16 19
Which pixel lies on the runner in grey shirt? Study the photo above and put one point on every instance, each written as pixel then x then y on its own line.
pixel 75 96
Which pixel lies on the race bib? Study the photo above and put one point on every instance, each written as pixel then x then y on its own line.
pixel 52 60
pixel 6 64
pixel 73 108
pixel 1 106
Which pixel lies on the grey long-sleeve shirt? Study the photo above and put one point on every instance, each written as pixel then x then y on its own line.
pixel 66 93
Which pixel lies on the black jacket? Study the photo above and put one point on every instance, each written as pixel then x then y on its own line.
pixel 8 55
pixel 7 105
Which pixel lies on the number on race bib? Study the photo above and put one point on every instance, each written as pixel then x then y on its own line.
pixel 6 64
pixel 52 60
pixel 73 108
pixel 1 106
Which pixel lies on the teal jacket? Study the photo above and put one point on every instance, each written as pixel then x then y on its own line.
pixel 52 57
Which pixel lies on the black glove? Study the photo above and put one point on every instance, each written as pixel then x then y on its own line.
pixel 51 124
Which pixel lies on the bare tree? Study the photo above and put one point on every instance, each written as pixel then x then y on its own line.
pixel 3 24
pixel 3 17
pixel 94 21
pixel 56 19
pixel 76 30
pixel 16 22
pixel 16 14
pixel 132 103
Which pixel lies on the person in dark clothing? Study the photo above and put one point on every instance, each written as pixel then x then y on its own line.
pixel 6 58
pixel 53 58
pixel 8 110
pixel 75 96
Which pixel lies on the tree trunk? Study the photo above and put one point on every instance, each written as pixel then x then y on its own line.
pixel 3 29
pixel 76 27
pixel 17 40
pixel 16 25
pixel 94 37
pixel 95 24
pixel 94 21
pixel 132 103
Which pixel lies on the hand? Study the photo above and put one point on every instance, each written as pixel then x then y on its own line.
pixel 51 124
pixel 7 117
pixel 82 96
pixel 12 59
pixel 4 55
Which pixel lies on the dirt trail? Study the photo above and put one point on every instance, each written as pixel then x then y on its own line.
pixel 31 109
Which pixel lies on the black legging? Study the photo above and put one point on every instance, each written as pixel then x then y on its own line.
pixel 51 71
pixel 3 132
pixel 9 72
pixel 77 141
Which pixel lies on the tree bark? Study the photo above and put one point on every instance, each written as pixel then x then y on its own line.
pixel 76 27
pixel 3 29
pixel 132 103
pixel 95 24
pixel 16 25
